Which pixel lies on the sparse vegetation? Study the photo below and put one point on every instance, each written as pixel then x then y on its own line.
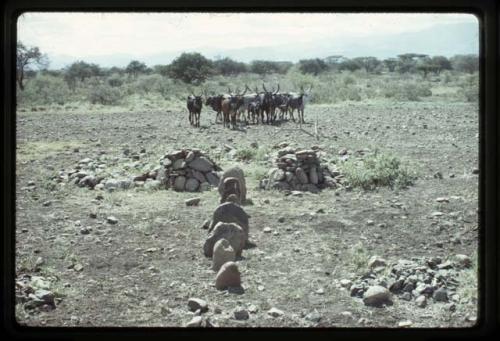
pixel 378 169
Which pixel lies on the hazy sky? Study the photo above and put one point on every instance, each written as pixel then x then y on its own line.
pixel 93 34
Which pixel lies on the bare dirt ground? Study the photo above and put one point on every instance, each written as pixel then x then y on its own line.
pixel 142 270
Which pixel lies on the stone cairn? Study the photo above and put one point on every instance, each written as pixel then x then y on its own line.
pixel 228 230
pixel 299 169
pixel 185 170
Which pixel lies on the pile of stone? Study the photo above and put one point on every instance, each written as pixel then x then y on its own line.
pixel 184 170
pixel 299 169
pixel 416 280
pixel 34 293
pixel 228 230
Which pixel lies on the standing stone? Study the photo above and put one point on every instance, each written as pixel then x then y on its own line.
pixel 228 276
pixel 222 253
pixel 313 175
pixel 201 164
pixel 301 175
pixel 231 186
pixel 230 231
pixel 376 296
pixel 229 212
pixel 192 185
pixel 421 301
pixel 234 172
pixel 179 183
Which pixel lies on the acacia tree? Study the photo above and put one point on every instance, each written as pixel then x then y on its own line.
pixel 135 67
pixel 80 70
pixel 313 66
pixel 26 58
pixel 192 68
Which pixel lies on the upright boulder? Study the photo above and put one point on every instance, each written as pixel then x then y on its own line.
pixel 231 186
pixel 234 172
pixel 232 232
pixel 228 276
pixel 223 252
pixel 230 212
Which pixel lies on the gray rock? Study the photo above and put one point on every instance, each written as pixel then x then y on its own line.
pixel 228 276
pixel 152 184
pixel 463 261
pixel 421 301
pixel 192 185
pixel 111 184
pixel 45 295
pixel 234 172
pixel 190 156
pixel 112 220
pixel 313 316
pixel 193 201
pixel 199 176
pixel 201 164
pixel 212 178
pixel 274 312
pixel 376 261
pixel 406 296
pixel 230 231
pixel 204 186
pixel 345 283
pixel 125 183
pixel 195 304
pixel 223 252
pixel 377 296
pixel 301 175
pixel 229 212
pixel 241 314
pixel 195 322
pixel 179 183
pixel 179 164
pixel 313 175
pixel 440 295
pixel 276 174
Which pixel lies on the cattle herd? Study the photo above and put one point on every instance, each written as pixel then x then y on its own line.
pixel 249 106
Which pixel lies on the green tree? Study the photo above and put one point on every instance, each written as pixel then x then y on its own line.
pixel 135 67
pixel 391 64
pixel 349 64
pixel 441 62
pixel 227 66
pixel 26 58
pixel 466 63
pixel 370 64
pixel 79 71
pixel 312 66
pixel 192 68
pixel 161 69
pixel 263 67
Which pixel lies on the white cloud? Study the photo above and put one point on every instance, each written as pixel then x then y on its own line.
pixel 84 34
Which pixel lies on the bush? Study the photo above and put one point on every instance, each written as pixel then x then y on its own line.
pixel 379 169
pixel 44 89
pixel 105 95
pixel 115 80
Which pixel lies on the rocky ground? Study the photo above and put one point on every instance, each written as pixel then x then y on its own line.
pixel 131 254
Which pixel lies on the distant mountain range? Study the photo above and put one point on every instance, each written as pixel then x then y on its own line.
pixel 440 39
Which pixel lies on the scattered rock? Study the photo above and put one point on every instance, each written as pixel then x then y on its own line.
pixel 195 304
pixel 267 229
pixel 404 324
pixel 195 322
pixel 241 314
pixel 192 201
pixel 274 312
pixel 421 301
pixel 376 261
pixel 112 220
pixel 377 296
pixel 313 316
pixel 440 295
pixel 463 261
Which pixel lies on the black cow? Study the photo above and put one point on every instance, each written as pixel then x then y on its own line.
pixel 194 105
pixel 267 104
pixel 215 102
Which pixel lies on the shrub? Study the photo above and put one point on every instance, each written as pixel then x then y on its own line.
pixel 44 89
pixel 379 169
pixel 105 95
pixel 115 80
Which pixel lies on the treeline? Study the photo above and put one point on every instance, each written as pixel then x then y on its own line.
pixel 194 68
pixel 335 78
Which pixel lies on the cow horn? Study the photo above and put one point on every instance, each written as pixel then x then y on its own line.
pixel 244 92
pixel 264 87
pixel 229 90
pixel 278 89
